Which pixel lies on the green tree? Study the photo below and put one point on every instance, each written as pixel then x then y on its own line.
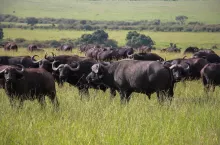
pixel 181 19
pixel 31 21
pixel 136 40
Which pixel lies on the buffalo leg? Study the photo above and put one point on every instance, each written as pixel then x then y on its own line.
pixel 113 93
pixel 21 103
pixel 41 100
pixel 83 92
pixel 54 100
pixel 125 96
pixel 128 95
pixel 160 96
pixel 12 102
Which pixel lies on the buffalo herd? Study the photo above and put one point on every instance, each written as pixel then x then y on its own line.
pixel 121 70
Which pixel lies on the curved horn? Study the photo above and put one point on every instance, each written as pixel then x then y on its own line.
pixel 45 56
pixel 174 65
pixel 188 66
pixel 56 68
pixel 129 55
pixel 34 61
pixel 73 69
pixel 22 68
pixel 53 54
pixel 3 70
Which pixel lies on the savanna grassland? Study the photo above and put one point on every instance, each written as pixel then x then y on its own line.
pixel 202 11
pixel 192 118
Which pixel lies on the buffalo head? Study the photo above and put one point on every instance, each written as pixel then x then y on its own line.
pixel 180 71
pixel 11 74
pixel 65 69
pixel 97 74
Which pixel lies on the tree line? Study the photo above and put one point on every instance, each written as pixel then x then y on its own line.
pixel 180 24
pixel 98 37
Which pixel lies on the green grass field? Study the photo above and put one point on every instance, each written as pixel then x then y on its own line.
pixel 162 39
pixel 203 11
pixel 192 118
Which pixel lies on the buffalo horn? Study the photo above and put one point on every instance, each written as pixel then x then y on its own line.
pixel 34 61
pixel 73 69
pixel 56 68
pixel 174 65
pixel 22 68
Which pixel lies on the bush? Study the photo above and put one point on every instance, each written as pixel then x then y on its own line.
pixel 111 42
pixel 136 40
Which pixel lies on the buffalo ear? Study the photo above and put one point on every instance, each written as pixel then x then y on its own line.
pixel 95 68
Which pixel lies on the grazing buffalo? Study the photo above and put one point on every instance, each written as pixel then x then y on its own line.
pixel 146 56
pixel 211 76
pixel 65 47
pixel 29 84
pixel 14 60
pixel 75 74
pixel 191 50
pixel 127 76
pixel 210 57
pixel 33 47
pixel 10 46
pixel 187 68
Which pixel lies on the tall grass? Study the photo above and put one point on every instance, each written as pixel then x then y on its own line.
pixel 192 118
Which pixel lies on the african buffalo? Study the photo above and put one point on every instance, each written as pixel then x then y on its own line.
pixel 191 50
pixel 75 74
pixel 10 46
pixel 33 47
pixel 146 56
pixel 187 68
pixel 127 76
pixel 124 52
pixel 65 47
pixel 210 57
pixel 29 84
pixel 14 60
pixel 211 76
pixel 46 63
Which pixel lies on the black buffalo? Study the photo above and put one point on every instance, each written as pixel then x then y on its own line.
pixel 191 50
pixel 187 68
pixel 33 47
pixel 14 60
pixel 46 63
pixel 210 57
pixel 127 76
pixel 65 47
pixel 75 74
pixel 211 76
pixel 124 52
pixel 29 84
pixel 10 46
pixel 146 56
